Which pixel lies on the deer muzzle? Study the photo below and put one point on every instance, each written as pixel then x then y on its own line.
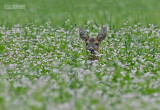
pixel 91 50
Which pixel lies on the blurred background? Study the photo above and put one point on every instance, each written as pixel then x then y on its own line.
pixel 113 12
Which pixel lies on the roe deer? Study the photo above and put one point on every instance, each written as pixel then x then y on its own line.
pixel 92 44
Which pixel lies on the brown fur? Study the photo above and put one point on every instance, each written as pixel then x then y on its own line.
pixel 92 44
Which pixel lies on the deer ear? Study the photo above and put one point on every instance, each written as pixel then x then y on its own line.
pixel 102 34
pixel 83 34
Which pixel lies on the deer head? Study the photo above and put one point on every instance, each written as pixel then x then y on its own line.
pixel 92 44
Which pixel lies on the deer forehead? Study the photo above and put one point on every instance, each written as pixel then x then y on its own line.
pixel 92 40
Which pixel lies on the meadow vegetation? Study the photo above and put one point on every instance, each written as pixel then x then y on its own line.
pixel 43 63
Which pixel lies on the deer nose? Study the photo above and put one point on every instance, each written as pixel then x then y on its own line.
pixel 91 50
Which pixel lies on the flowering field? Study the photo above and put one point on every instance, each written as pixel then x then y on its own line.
pixel 45 68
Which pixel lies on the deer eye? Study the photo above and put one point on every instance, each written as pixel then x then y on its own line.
pixel 86 43
pixel 97 44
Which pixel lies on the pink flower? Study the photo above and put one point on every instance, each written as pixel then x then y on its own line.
pixel 5 54
pixel 10 55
